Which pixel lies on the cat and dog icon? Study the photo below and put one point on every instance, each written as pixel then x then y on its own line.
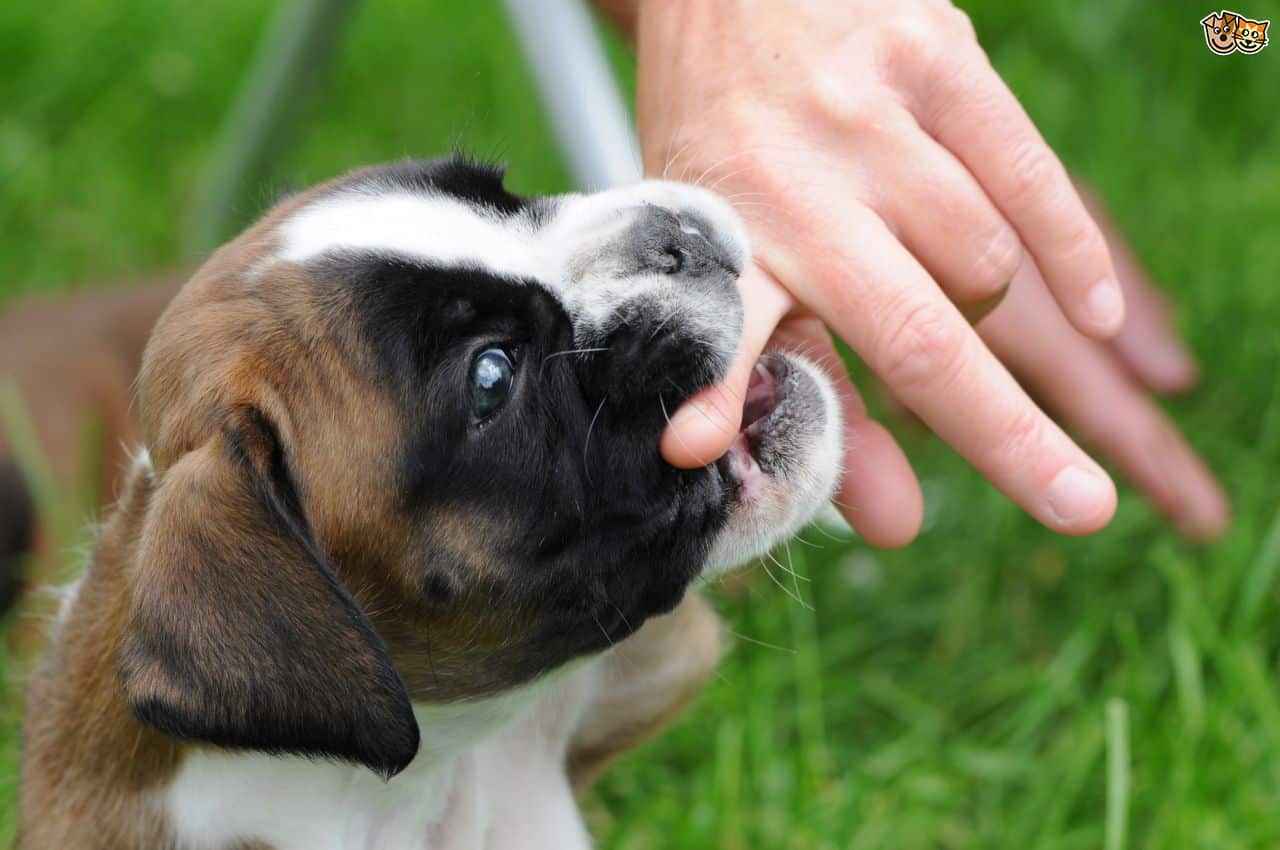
pixel 1227 32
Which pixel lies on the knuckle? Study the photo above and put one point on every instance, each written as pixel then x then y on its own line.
pixel 921 57
pixel 1023 438
pixel 926 44
pixel 862 110
pixel 913 35
pixel 924 349
pixel 1031 168
pixel 960 22
pixel 1083 242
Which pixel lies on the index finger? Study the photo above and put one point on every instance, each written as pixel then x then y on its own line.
pixel 976 117
pixel 883 303
pixel 707 423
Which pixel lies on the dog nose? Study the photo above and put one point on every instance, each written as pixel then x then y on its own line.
pixel 680 245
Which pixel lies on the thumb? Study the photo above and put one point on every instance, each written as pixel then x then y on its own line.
pixel 707 423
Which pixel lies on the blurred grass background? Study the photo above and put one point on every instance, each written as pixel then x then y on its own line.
pixel 993 686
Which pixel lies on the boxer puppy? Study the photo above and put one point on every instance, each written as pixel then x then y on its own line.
pixel 400 517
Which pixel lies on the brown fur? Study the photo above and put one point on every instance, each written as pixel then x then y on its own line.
pixel 88 764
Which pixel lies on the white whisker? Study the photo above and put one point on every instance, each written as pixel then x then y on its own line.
pixel 684 147
pixel 555 354
pixel 780 585
pixel 712 187
pixel 586 444
pixel 667 416
pixel 759 642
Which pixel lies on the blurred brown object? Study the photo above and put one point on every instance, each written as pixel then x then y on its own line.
pixel 73 360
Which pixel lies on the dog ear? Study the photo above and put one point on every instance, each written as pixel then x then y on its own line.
pixel 239 633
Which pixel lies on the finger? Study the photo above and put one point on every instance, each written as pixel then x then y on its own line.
pixel 878 298
pixel 707 423
pixel 879 494
pixel 946 220
pixel 1079 382
pixel 973 114
pixel 1148 344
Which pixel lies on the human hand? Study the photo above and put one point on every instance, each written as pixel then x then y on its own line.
pixel 1100 389
pixel 889 181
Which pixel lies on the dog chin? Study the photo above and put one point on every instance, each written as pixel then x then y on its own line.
pixel 785 463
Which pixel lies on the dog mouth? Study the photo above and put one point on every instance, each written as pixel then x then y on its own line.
pixel 747 466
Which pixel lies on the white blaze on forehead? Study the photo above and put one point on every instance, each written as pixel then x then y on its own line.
pixel 567 231
pixel 416 226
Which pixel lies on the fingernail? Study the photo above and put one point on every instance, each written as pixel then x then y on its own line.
pixel 1076 496
pixel 1105 306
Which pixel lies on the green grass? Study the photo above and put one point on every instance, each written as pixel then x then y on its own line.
pixel 993 686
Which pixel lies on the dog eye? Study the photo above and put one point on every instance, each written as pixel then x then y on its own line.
pixel 491 375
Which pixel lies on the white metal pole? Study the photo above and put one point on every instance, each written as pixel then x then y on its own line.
pixel 578 89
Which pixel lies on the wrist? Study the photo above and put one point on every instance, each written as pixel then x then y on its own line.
pixel 693 59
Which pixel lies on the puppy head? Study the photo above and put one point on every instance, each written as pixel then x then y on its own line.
pixel 1220 32
pixel 404 441
pixel 1251 36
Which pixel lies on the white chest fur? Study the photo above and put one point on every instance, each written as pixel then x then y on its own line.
pixel 490 774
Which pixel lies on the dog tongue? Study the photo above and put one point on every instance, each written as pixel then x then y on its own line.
pixel 762 394
pixel 761 399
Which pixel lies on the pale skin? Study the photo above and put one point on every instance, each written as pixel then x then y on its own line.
pixel 894 189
